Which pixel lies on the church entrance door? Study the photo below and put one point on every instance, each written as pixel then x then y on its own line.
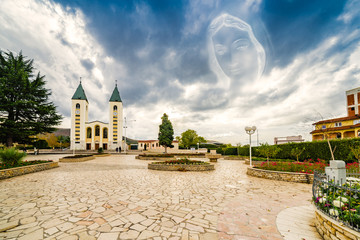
pixel 105 146
pixel 96 146
pixel 88 146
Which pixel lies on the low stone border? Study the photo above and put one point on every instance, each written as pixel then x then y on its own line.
pixel 102 155
pixel 155 158
pixel 181 167
pixel 236 158
pixel 83 159
pixel 13 172
pixel 281 176
pixel 254 163
pixel 328 228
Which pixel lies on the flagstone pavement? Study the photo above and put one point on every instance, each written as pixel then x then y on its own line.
pixel 117 197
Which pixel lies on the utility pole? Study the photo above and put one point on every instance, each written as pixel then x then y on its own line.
pixel 125 127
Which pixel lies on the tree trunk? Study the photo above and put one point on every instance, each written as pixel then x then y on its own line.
pixel 165 149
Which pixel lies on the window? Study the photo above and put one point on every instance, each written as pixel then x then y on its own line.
pixel 356 121
pixel 152 145
pixel 105 133
pixel 338 124
pixel 77 106
pixel 97 131
pixel 88 133
pixel 115 108
pixel 141 145
pixel 323 126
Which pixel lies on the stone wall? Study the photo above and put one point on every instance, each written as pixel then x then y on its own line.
pixel 330 229
pixel 155 158
pixel 254 163
pixel 181 167
pixel 281 176
pixel 12 172
pixel 83 159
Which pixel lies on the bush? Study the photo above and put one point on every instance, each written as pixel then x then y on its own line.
pixel 100 150
pixel 79 156
pixel 313 150
pixel 10 157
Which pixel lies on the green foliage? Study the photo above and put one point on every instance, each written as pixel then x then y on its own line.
pixel 25 109
pixel 41 144
pixel 11 157
pixel 268 151
pixel 190 138
pixel 296 152
pixel 313 150
pixel 100 150
pixel 166 133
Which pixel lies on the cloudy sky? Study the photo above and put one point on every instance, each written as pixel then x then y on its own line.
pixel 213 66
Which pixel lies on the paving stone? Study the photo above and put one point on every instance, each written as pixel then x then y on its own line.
pixel 85 236
pixel 9 225
pixel 36 235
pixel 27 220
pixel 135 218
pixel 131 234
pixel 108 236
pixel 51 231
pixel 148 234
pixel 138 227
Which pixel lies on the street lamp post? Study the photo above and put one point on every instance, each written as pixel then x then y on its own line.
pixel 250 131
pixel 125 127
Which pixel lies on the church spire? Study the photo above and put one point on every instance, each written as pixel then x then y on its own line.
pixel 80 93
pixel 115 96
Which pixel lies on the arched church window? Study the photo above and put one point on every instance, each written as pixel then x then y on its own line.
pixel 77 106
pixel 115 108
pixel 105 133
pixel 97 131
pixel 88 133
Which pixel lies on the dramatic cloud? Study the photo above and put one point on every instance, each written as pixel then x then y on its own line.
pixel 213 66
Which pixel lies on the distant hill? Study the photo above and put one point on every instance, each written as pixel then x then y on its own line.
pixel 62 132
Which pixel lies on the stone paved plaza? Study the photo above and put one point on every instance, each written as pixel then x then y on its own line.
pixel 117 197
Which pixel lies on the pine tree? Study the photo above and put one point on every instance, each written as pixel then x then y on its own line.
pixel 166 133
pixel 24 106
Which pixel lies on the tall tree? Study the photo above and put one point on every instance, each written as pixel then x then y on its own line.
pixel 166 133
pixel 190 138
pixel 25 109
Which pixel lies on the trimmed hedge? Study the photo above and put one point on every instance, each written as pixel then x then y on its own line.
pixel 313 150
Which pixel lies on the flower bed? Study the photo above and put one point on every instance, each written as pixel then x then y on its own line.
pixel 340 202
pixel 25 163
pixel 299 167
pixel 77 158
pixel 181 165
pixel 17 171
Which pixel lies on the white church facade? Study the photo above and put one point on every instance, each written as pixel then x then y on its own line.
pixel 93 135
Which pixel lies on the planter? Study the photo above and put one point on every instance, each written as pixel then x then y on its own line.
pixel 181 167
pixel 236 158
pixel 102 155
pixel 254 163
pixel 213 157
pixel 329 228
pixel 12 172
pixel 155 158
pixel 83 159
pixel 281 176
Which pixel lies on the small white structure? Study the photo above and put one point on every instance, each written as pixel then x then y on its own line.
pixel 336 171
pixel 154 145
pixel 288 139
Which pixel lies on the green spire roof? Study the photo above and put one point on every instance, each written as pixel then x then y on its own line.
pixel 115 96
pixel 79 93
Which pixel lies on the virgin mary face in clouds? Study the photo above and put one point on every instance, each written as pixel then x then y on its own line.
pixel 234 50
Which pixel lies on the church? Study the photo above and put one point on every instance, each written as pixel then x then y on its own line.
pixel 93 135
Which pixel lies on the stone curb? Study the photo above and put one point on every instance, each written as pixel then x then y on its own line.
pixel 181 167
pixel 67 160
pixel 328 228
pixel 281 176
pixel 18 171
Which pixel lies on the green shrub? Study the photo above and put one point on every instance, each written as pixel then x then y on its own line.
pixel 100 150
pixel 313 150
pixel 10 157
